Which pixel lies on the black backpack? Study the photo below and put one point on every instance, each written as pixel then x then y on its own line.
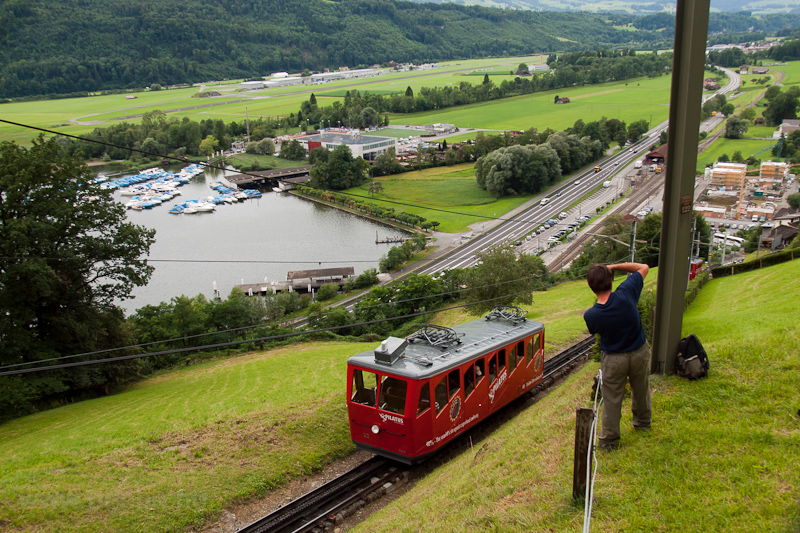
pixel 692 360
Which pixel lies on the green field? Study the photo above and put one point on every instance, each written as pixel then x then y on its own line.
pixel 452 189
pixel 643 98
pixel 791 70
pixel 721 146
pixel 629 101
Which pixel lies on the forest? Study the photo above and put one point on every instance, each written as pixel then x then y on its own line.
pixel 80 46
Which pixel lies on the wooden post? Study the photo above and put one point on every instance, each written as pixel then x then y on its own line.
pixel 584 416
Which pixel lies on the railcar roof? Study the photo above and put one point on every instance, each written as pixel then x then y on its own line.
pixel 477 338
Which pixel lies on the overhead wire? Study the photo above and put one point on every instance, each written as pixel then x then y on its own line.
pixel 245 173
pixel 247 341
pixel 226 261
pixel 262 325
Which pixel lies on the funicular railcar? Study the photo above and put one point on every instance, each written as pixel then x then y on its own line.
pixel 409 397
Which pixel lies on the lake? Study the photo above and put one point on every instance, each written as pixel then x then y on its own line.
pixel 248 242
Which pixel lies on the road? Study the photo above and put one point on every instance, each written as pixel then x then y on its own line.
pixel 567 198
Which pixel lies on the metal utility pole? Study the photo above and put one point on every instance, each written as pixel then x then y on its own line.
pixel 724 248
pixel 691 33
pixel 632 254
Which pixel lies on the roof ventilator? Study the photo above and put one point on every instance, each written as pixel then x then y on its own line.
pixel 515 315
pixel 438 336
pixel 390 350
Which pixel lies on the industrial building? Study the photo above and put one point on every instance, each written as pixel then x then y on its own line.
pixel 366 146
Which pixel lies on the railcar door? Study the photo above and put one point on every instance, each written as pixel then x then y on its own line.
pixel 378 411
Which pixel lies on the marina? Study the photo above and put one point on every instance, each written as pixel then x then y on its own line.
pixel 241 242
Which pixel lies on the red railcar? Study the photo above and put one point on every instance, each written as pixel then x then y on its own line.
pixel 694 268
pixel 409 397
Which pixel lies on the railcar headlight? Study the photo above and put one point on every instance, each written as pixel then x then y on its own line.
pixel 375 429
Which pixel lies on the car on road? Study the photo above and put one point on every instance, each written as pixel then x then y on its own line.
pixel 577 182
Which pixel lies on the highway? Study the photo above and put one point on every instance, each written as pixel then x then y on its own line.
pixel 519 224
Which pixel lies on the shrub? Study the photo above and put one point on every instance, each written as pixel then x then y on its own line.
pixel 327 291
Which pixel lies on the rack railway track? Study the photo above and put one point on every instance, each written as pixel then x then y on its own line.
pixel 329 504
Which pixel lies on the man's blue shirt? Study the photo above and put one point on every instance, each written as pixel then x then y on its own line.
pixel 618 321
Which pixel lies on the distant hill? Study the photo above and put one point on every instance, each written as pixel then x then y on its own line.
pixel 633 7
pixel 71 47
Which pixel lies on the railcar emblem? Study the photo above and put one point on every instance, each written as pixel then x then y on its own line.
pixel 537 361
pixel 455 409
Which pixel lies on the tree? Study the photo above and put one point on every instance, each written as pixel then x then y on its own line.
pixel 781 106
pixel 292 150
pixel 748 114
pixel 794 200
pixel 486 80
pixel 500 278
pixel 409 92
pixel 637 129
pixel 735 127
pixel 340 171
pixel 386 163
pixel 68 255
pixel 370 117
pixel 208 145
pixel 327 291
pixel 320 153
pixel 266 147
pixel 375 187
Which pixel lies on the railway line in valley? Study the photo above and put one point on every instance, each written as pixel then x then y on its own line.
pixel 327 506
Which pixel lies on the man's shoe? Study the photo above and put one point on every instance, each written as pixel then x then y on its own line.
pixel 641 428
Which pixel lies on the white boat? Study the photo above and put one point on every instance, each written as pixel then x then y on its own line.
pixel 189 210
pixel 205 206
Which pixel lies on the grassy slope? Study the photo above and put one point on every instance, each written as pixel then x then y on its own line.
pixel 190 441
pixel 182 444
pixel 721 456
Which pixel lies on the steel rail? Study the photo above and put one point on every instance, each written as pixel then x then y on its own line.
pixel 322 504
pixel 304 513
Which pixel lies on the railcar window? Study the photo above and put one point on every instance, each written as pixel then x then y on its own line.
pixel 479 370
pixel 520 352
pixel 534 346
pixel 440 394
pixel 365 387
pixel 469 380
pixel 512 359
pixel 454 383
pixel 424 402
pixel 529 355
pixel 393 395
pixel 501 359
pixel 492 369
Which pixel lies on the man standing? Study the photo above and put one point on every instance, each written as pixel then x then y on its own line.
pixel 625 352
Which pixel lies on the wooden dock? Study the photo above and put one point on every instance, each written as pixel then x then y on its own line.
pixel 264 178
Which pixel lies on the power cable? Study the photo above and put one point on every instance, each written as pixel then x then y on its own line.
pixel 208 165
pixel 236 343
pixel 261 325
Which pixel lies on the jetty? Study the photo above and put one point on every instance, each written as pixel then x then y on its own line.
pixel 272 178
